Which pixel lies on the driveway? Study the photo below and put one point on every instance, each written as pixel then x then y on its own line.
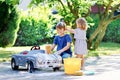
pixel 105 68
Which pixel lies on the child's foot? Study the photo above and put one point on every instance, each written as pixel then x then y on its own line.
pixel 82 68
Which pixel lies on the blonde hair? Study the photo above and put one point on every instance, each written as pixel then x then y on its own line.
pixel 81 23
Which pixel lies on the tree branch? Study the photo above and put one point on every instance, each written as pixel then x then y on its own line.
pixel 62 5
pixel 116 17
pixel 108 8
pixel 113 9
pixel 70 6
pixel 73 10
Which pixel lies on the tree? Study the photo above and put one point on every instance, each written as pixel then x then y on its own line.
pixel 106 17
pixel 72 9
pixel 9 22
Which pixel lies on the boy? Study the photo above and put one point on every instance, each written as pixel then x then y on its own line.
pixel 63 41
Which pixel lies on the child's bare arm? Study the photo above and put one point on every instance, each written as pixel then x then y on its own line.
pixel 65 48
pixel 53 46
pixel 70 30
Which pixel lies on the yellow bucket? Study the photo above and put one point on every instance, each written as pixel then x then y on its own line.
pixel 71 65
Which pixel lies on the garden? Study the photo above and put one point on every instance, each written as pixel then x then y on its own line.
pixel 21 29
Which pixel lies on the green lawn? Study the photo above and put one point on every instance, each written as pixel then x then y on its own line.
pixel 5 53
pixel 104 49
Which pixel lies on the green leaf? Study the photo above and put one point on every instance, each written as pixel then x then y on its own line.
pixel 12 2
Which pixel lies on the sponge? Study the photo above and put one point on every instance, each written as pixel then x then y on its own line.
pixel 78 73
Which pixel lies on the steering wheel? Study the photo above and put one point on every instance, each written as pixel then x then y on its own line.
pixel 36 47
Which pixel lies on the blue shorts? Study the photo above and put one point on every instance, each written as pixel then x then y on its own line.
pixel 65 55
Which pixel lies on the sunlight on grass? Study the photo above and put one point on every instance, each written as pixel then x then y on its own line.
pixel 104 49
pixel 6 53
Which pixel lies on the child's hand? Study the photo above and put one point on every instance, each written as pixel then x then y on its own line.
pixel 65 28
pixel 58 52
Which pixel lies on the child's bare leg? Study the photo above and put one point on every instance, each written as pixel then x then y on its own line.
pixel 82 59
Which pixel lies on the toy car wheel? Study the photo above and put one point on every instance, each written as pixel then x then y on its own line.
pixel 30 67
pixel 56 69
pixel 13 65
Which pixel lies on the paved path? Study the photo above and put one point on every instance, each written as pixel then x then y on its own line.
pixel 105 68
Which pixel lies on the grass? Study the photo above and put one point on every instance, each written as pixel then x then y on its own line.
pixel 104 49
pixel 5 53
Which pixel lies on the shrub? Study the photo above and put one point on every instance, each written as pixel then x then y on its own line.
pixel 36 26
pixel 9 24
pixel 113 32
pixel 32 32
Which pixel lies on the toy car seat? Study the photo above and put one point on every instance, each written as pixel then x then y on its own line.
pixel 35 47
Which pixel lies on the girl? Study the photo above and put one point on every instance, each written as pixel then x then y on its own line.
pixel 80 39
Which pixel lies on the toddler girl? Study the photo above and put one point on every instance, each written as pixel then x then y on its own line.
pixel 80 39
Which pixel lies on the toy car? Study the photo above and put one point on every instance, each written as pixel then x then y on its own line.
pixel 35 59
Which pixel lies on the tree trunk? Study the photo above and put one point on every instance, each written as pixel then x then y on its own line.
pixel 100 37
pixel 93 36
pixel 98 34
pixel 102 33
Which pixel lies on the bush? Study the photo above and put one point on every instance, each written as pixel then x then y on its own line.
pixel 32 32
pixel 113 32
pixel 9 24
pixel 36 26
